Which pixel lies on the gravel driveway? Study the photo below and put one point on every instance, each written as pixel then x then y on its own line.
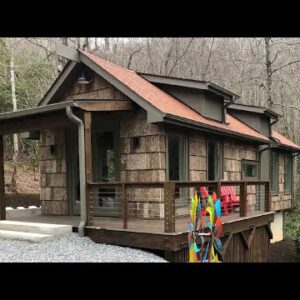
pixel 70 248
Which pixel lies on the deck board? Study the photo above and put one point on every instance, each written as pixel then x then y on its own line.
pixel 149 226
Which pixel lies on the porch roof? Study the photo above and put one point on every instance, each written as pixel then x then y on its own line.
pixel 285 142
pixel 53 115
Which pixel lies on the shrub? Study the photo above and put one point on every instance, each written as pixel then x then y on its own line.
pixel 297 241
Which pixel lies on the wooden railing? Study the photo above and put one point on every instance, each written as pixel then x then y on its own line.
pixel 169 196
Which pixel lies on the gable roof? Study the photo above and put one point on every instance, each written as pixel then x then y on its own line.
pixel 167 104
pixel 283 141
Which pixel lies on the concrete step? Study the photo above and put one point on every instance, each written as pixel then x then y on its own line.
pixel 41 228
pixel 25 236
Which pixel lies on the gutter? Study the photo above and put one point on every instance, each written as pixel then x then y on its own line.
pixel 82 176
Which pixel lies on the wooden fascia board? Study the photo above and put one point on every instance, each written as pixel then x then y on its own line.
pixel 105 105
pixel 57 83
pixel 198 125
pixel 153 114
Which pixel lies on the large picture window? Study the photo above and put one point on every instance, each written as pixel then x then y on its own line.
pixel 288 174
pixel 274 172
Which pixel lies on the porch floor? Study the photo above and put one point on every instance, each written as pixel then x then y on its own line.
pixel 135 225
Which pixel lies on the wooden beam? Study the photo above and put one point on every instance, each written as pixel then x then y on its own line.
pixel 34 123
pixel 102 105
pixel 88 164
pixel 2 181
pixel 226 244
pixel 169 204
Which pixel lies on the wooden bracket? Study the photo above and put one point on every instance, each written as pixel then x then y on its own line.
pixel 248 241
pixel 225 245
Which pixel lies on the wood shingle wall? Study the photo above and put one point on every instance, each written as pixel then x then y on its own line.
pixel 281 200
pixel 53 172
pixel 145 163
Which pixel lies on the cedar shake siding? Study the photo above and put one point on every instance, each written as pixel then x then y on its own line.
pixel 54 200
pixel 145 163
pixel 281 200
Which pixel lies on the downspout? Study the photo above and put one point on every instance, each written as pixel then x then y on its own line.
pixel 82 176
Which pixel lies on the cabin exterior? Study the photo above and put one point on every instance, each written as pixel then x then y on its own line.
pixel 124 151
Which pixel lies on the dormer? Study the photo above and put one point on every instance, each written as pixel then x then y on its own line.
pixel 259 118
pixel 207 98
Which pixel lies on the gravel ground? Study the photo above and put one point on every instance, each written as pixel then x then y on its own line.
pixel 71 248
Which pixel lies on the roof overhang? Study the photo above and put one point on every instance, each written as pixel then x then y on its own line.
pixel 212 129
pixel 276 144
pixel 190 83
pixel 254 109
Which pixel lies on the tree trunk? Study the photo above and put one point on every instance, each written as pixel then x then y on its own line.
pixel 15 136
pixel 106 46
pixel 269 74
pixel 62 61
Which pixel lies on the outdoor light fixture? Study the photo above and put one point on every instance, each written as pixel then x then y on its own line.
pixel 84 78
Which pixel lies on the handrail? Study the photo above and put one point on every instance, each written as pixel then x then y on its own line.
pixel 169 195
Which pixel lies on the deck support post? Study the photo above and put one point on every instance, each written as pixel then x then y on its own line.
pixel 88 165
pixel 169 199
pixel 2 181
pixel 243 199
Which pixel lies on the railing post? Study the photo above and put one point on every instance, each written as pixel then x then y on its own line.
pixel 219 192
pixel 2 185
pixel 125 207
pixel 169 199
pixel 90 204
pixel 267 197
pixel 243 199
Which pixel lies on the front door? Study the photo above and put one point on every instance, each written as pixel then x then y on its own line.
pixel 105 156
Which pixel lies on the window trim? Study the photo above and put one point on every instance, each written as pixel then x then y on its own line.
pixel 251 162
pixel 291 174
pixel 274 192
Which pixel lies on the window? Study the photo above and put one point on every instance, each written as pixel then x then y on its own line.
pixel 177 160
pixel 249 170
pixel 177 156
pixel 274 172
pixel 214 160
pixel 288 173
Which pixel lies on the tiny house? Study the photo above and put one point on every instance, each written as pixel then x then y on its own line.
pixel 122 152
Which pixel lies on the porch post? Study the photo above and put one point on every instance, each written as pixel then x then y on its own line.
pixel 88 164
pixel 169 198
pixel 2 183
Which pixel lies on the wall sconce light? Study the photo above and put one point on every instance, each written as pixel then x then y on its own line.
pixel 84 78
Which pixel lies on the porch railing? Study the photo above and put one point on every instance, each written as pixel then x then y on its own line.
pixel 254 194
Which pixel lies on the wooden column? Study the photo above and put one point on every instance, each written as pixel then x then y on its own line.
pixel 88 165
pixel 169 199
pixel 267 197
pixel 125 207
pixel 219 192
pixel 243 199
pixel 2 183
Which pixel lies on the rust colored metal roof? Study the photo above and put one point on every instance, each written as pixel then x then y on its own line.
pixel 284 141
pixel 166 103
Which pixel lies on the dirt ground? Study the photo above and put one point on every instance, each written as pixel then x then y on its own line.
pixel 283 251
pixel 27 181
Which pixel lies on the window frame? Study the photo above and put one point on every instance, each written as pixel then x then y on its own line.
pixel 250 162
pixel 289 156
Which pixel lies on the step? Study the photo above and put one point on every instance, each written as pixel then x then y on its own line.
pixel 42 228
pixel 25 236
